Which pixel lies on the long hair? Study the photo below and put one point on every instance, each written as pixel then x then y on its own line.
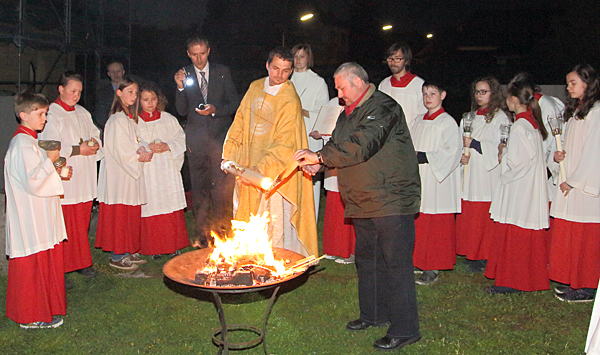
pixel 523 90
pixel 117 104
pixel 152 87
pixel 591 95
pixel 307 50
pixel 497 98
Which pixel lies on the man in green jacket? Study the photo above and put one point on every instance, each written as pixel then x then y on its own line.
pixel 378 177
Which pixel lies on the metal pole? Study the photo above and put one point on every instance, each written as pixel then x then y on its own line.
pixel 20 39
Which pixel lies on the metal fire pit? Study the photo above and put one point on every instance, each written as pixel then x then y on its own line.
pixel 183 269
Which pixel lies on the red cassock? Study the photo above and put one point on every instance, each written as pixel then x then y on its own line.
pixel 164 234
pixel 435 241
pixel 574 252
pixel 473 230
pixel 338 232
pixel 76 248
pixel 36 287
pixel 519 258
pixel 119 228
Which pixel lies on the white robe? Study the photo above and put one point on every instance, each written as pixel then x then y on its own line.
pixel 121 180
pixel 68 128
pixel 551 107
pixel 313 93
pixel 440 177
pixel 582 167
pixel 34 219
pixel 592 344
pixel 330 182
pixel 481 176
pixel 409 97
pixel 522 197
pixel 162 175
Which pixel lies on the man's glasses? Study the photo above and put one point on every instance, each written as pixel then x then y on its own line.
pixel 395 59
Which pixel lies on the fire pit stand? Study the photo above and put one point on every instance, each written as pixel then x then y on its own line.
pixel 183 269
pixel 221 335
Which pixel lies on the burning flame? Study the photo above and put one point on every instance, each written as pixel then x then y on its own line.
pixel 250 243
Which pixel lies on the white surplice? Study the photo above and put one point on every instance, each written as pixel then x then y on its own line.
pixel 34 219
pixel 162 175
pixel 482 175
pixel 551 107
pixel 521 198
pixel 592 344
pixel 440 177
pixel 409 97
pixel 582 167
pixel 121 180
pixel 69 127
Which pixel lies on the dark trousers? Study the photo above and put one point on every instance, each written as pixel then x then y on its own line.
pixel 384 262
pixel 212 192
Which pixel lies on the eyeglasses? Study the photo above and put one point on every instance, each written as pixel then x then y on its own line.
pixel 395 59
pixel 482 92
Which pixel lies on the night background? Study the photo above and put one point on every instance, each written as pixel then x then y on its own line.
pixel 470 38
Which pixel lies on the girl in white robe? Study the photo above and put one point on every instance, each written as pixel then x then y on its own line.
pixel 313 93
pixel 575 243
pixel 481 174
pixel 121 190
pixel 439 148
pixel 72 125
pixel 163 223
pixel 519 258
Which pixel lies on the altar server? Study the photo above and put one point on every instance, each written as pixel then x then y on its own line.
pixel 35 229
pixel 313 93
pixel 519 257
pixel 72 125
pixel 575 243
pixel 438 145
pixel 121 190
pixel 163 223
pixel 481 174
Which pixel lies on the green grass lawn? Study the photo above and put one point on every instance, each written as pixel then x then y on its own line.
pixel 115 314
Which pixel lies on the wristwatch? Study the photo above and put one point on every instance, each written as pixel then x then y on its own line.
pixel 319 157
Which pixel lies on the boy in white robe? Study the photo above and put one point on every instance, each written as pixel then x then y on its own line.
pixel 34 222
pixel 438 146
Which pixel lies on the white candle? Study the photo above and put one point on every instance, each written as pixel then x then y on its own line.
pixel 157 141
pixel 64 172
pixel 90 143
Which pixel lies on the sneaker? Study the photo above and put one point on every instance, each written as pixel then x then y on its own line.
pixel 123 264
pixel 176 253
pixel 417 271
pixel 88 272
pixel 330 257
pixel 427 278
pixel 562 289
pixel 135 259
pixel 576 296
pixel 348 260
pixel 56 322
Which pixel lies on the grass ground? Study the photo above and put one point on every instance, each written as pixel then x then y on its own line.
pixel 117 314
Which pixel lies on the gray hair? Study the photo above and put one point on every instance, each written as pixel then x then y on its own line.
pixel 351 70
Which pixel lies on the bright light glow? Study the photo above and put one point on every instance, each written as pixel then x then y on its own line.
pixel 306 17
pixel 189 82
pixel 387 27
pixel 430 35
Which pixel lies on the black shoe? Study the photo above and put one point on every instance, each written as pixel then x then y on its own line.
pixel 500 290
pixel 88 272
pixel 576 296
pixel 475 266
pixel 156 257
pixel 427 278
pixel 68 284
pixel 391 343
pixel 562 289
pixel 359 324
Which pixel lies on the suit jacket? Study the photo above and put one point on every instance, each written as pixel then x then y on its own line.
pixel 221 94
pixel 104 99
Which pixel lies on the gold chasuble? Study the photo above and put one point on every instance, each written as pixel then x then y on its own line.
pixel 266 132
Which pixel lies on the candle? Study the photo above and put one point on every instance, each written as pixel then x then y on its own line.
pixel 64 172
pixel 157 141
pixel 254 177
pixel 90 143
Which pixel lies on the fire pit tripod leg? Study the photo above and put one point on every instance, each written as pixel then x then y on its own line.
pixel 221 335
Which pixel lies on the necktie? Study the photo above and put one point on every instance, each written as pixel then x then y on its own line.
pixel 204 86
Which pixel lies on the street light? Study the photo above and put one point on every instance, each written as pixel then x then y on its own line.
pixel 306 17
pixel 429 35
pixel 387 27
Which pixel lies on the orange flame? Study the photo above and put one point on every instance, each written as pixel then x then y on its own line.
pixel 250 243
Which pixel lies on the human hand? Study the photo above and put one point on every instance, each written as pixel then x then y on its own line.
pixel 467 141
pixel 208 110
pixel 315 135
pixel 53 155
pixel 565 188
pixel 559 156
pixel 464 160
pixel 312 169
pixel 305 113
pixel 85 149
pixel 144 155
pixel 306 157
pixel 158 148
pixel 180 78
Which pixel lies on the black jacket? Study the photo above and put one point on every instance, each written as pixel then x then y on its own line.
pixel 221 94
pixel 378 173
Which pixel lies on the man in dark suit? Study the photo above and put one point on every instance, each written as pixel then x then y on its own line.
pixel 208 99
pixel 105 92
